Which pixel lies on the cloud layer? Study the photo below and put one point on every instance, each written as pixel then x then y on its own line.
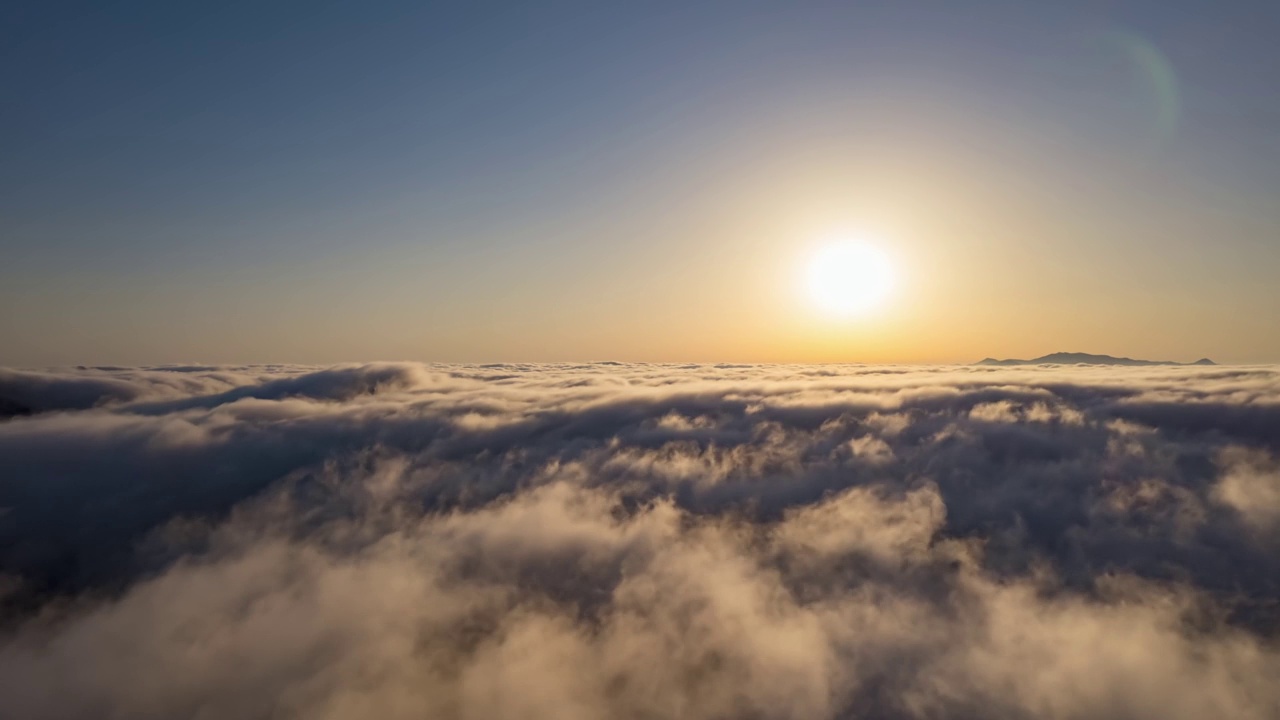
pixel 640 541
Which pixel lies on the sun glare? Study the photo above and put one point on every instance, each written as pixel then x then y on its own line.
pixel 849 278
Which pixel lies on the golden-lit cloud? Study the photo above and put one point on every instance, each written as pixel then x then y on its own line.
pixel 622 540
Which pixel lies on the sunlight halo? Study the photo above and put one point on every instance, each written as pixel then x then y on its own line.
pixel 848 278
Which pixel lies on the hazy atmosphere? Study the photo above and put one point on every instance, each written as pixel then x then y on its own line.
pixel 640 361
pixel 325 182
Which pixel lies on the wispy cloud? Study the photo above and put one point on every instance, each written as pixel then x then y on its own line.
pixel 640 541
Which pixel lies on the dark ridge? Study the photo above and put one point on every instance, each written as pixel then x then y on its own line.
pixel 1078 358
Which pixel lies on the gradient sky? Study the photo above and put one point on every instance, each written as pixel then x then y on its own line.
pixel 319 182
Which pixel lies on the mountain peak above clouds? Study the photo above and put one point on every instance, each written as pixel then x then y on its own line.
pixel 1079 358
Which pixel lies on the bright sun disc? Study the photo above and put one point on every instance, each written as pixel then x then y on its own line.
pixel 849 278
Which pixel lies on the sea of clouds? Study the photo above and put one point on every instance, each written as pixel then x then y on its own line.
pixel 595 541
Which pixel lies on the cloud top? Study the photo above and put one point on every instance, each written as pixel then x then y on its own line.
pixel 640 541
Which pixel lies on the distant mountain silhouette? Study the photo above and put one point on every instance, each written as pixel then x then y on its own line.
pixel 1076 358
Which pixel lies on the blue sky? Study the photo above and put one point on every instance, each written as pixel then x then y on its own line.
pixel 479 181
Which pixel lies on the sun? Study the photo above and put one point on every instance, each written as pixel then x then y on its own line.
pixel 849 278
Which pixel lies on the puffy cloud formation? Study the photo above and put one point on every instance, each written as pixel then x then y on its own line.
pixel 640 541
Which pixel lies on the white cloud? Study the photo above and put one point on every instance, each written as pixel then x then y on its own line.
pixel 640 541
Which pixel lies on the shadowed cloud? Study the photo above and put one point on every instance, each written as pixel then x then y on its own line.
pixel 640 541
